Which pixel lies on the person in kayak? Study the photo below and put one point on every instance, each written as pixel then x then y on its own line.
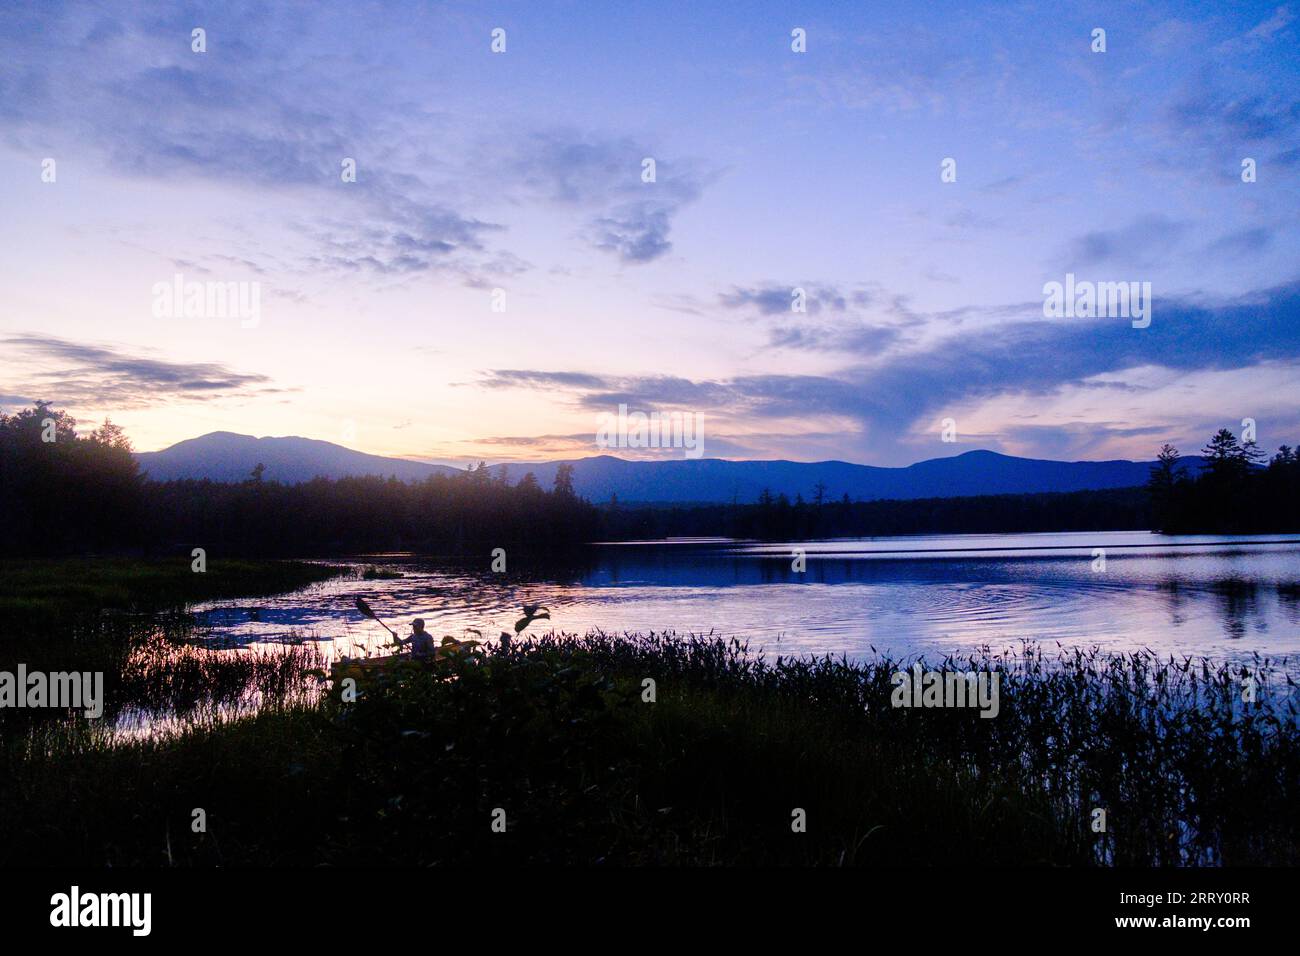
pixel 421 641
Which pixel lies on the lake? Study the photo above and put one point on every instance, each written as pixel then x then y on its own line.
pixel 1223 597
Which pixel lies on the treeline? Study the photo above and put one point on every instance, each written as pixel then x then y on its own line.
pixel 61 493
pixel 778 518
pixel 64 493
pixel 472 510
pixel 1235 491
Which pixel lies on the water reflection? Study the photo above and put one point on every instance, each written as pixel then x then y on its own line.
pixel 1219 596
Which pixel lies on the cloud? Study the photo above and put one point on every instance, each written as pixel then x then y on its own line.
pixel 1243 242
pixel 1213 114
pixel 637 232
pixel 1288 158
pixel 888 394
pixel 772 299
pixel 603 175
pixel 1282 18
pixel 862 319
pixel 1140 244
pixel 1041 357
pixel 258 112
pixel 524 449
pixel 1075 440
pixel 1004 185
pixel 266 111
pixel 866 299
pixel 531 378
pixel 861 339
pixel 98 376
pixel 534 441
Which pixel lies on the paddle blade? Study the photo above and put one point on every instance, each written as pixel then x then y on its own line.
pixel 364 608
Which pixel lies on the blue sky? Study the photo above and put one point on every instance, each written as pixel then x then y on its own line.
pixel 521 171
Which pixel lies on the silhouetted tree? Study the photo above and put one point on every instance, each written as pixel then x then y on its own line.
pixel 1224 457
pixel 1235 492
pixel 1165 474
pixel 564 481
pixel 60 491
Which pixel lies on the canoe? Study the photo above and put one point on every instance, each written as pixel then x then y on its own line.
pixel 363 666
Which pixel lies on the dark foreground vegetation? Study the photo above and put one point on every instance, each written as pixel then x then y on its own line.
pixel 128 620
pixel 53 590
pixel 558 735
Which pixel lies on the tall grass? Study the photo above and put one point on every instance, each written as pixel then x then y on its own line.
pixel 1187 772
pixel 127 619
pixel 165 677
pixel 556 732
pixel 158 681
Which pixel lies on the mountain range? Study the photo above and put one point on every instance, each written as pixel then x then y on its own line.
pixel 225 456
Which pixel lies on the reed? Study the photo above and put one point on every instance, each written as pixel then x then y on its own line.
pixel 556 732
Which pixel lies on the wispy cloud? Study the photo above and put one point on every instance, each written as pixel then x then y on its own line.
pixel 1139 244
pixel 603 175
pixel 99 376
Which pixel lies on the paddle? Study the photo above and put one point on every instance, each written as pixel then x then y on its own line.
pixel 364 608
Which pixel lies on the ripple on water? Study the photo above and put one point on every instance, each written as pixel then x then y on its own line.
pixel 1224 598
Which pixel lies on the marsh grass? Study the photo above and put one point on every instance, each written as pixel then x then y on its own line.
pixel 162 676
pixel 74 792
pixel 128 619
pixel 555 731
pixel 1187 771
pixel 158 679
pixel 54 592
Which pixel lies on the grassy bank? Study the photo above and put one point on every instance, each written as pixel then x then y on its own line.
pixel 559 736
pixel 62 590
pixel 127 619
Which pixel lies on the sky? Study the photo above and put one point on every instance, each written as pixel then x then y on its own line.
pixel 499 275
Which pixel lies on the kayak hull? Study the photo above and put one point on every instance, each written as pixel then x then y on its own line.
pixel 369 666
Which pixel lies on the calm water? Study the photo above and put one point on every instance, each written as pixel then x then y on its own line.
pixel 1223 597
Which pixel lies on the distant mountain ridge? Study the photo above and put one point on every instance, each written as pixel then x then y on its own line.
pixel 717 480
pixel 226 456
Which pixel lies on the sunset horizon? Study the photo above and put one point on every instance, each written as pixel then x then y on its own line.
pixel 649 454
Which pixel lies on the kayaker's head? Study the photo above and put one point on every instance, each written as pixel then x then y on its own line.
pixel 418 625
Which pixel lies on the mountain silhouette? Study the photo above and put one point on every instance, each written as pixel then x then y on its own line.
pixel 225 456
